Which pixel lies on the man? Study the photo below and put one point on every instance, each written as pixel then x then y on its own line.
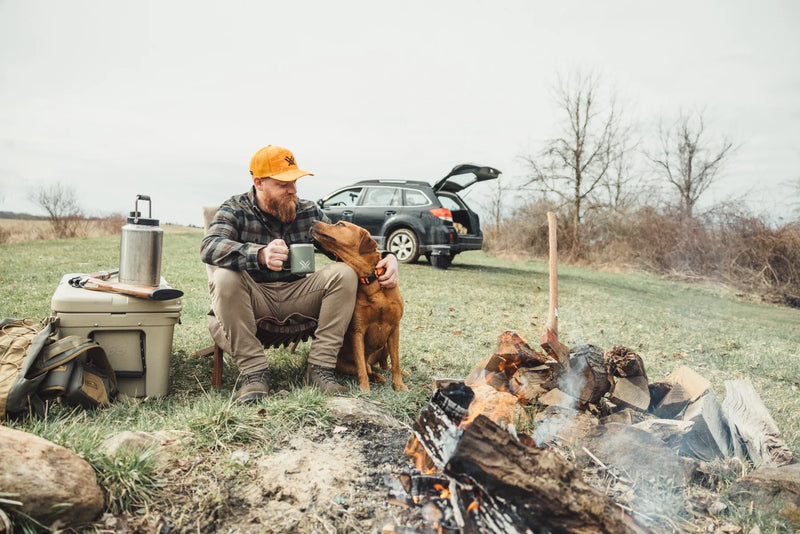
pixel 249 239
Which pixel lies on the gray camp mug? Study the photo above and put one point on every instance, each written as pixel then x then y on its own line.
pixel 301 258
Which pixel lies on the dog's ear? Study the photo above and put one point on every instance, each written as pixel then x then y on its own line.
pixel 367 245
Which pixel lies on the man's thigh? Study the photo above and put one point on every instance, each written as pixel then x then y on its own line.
pixel 302 296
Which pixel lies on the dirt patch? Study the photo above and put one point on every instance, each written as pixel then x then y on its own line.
pixel 325 482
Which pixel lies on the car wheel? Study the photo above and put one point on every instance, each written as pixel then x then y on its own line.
pixel 404 244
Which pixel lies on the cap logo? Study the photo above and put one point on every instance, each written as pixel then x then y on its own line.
pixel 290 160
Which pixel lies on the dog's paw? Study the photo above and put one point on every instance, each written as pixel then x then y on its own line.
pixel 399 386
pixel 377 378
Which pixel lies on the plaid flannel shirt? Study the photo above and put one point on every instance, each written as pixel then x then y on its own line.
pixel 241 229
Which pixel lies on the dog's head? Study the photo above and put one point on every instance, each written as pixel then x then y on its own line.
pixel 349 242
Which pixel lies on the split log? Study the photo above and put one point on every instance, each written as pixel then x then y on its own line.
pixel 658 390
pixel 509 343
pixel 693 384
pixel 673 402
pixel 631 393
pixel 528 489
pixel 499 406
pixel 651 466
pixel 752 425
pixel 558 426
pixel 511 367
pixel 709 436
pixel 529 384
pixel 683 387
pixel 625 363
pixel 670 431
pixel 587 378
pixel 556 397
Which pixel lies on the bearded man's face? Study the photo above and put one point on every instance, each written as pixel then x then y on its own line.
pixel 277 198
pixel 283 208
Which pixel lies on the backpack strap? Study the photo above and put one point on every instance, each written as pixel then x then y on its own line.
pixel 56 354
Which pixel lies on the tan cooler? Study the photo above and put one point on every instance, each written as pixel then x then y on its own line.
pixel 136 333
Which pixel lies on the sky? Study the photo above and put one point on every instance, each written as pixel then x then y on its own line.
pixel 171 98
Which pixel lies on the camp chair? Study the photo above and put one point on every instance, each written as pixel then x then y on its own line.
pixel 273 332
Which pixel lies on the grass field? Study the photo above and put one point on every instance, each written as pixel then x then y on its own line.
pixel 451 321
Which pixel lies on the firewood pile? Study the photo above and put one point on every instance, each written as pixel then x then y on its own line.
pixel 593 412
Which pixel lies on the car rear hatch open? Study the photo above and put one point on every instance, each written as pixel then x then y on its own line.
pixel 465 221
pixel 464 175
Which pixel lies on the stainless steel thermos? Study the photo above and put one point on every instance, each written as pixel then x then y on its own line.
pixel 140 248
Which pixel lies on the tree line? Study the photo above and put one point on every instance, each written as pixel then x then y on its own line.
pixel 606 185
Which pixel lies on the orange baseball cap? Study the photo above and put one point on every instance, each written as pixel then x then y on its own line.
pixel 277 163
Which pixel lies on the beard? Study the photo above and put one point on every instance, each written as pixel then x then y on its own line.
pixel 284 208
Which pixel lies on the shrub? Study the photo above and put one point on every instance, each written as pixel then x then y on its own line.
pixel 727 243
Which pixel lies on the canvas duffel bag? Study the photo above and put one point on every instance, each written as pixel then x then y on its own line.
pixel 35 367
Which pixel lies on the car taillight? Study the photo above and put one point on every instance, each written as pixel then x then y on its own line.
pixel 442 213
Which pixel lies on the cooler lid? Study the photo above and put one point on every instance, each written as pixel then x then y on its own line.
pixel 68 299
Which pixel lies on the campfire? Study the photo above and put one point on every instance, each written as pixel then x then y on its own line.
pixel 474 472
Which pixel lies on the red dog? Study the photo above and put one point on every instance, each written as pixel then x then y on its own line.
pixel 374 333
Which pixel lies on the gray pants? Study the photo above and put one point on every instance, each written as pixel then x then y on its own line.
pixel 328 294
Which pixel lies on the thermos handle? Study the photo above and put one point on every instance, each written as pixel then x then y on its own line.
pixel 149 205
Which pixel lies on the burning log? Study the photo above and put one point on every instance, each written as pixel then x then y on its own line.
pixel 530 487
pixel 504 485
pixel 501 407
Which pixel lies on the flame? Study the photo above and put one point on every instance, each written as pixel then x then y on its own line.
pixel 416 452
pixel 444 493
pixel 473 507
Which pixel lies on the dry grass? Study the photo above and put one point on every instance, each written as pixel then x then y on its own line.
pixel 22 230
pixel 727 245
pixel 452 319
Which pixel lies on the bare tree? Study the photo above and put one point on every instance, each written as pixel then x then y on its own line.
pixel 577 164
pixel 796 202
pixel 494 204
pixel 686 159
pixel 61 204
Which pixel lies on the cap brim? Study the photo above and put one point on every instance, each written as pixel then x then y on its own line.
pixel 290 176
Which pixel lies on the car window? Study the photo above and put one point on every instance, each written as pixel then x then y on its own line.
pixel 449 203
pixel 416 198
pixel 347 197
pixel 382 196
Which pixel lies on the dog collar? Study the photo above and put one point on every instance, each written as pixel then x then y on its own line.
pixel 367 280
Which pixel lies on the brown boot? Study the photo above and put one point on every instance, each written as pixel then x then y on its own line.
pixel 323 378
pixel 255 386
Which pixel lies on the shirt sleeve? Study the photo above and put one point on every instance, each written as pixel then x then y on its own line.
pixel 221 245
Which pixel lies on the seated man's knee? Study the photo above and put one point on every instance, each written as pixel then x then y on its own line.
pixel 226 281
pixel 344 275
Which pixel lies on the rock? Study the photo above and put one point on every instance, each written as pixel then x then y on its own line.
pixel 350 410
pixel 771 489
pixel 52 482
pixel 240 457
